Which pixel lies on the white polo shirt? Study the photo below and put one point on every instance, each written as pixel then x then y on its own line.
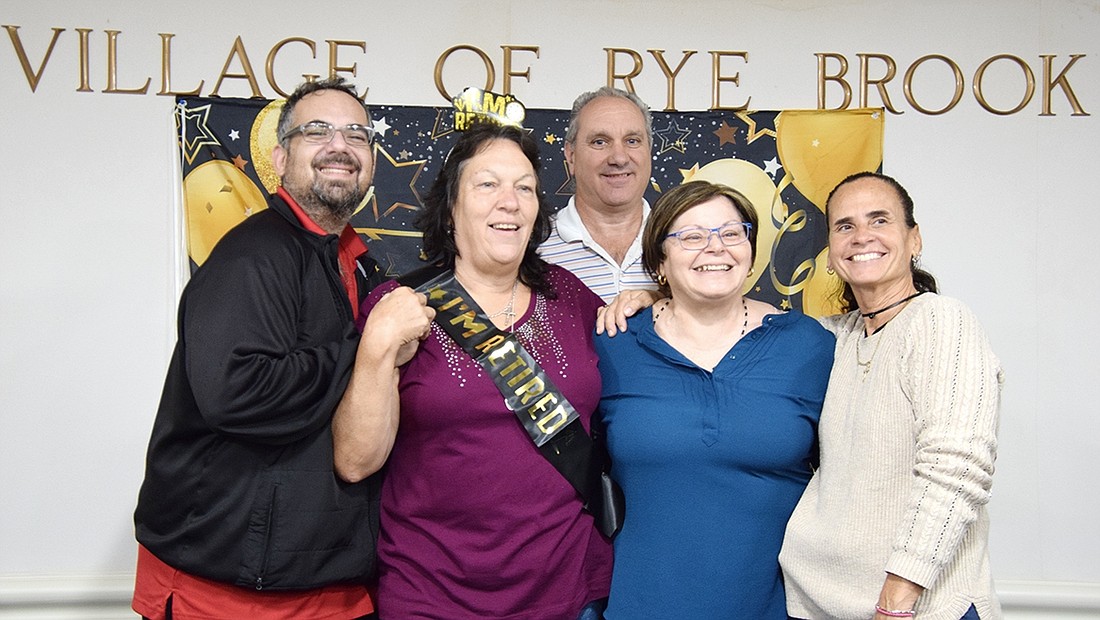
pixel 571 247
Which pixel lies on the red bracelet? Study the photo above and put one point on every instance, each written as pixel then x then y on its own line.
pixel 895 613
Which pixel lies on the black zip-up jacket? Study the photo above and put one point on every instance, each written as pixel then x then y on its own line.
pixel 239 484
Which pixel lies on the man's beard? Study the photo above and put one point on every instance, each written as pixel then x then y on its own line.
pixel 330 199
pixel 340 200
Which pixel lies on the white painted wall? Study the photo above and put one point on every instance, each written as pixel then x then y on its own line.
pixel 89 241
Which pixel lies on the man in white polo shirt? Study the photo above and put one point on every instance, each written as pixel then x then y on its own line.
pixel 597 236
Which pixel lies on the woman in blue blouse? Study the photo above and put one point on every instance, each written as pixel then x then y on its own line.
pixel 711 402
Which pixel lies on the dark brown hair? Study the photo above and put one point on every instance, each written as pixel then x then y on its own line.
pixel 922 280
pixel 678 200
pixel 436 220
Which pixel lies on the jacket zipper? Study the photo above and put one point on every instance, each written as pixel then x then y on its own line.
pixel 267 538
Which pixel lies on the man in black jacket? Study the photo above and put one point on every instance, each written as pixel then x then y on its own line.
pixel 240 510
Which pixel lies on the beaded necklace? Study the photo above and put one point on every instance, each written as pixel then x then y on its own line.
pixel 744 306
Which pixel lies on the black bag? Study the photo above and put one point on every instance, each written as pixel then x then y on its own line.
pixel 612 509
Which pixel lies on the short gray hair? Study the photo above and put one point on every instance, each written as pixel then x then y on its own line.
pixel 607 91
pixel 336 82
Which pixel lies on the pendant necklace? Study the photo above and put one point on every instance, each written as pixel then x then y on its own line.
pixel 866 366
pixel 510 309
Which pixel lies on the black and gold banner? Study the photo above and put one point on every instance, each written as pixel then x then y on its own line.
pixel 784 161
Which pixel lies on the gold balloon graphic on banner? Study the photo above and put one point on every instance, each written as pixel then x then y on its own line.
pixel 820 293
pixel 757 186
pixel 262 140
pixel 216 197
pixel 819 150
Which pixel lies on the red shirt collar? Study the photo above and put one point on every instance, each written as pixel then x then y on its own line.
pixel 349 239
pixel 350 248
pixel 303 217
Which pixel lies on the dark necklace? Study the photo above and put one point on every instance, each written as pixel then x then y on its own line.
pixel 744 306
pixel 871 315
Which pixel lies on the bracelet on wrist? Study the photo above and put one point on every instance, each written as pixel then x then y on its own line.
pixel 895 613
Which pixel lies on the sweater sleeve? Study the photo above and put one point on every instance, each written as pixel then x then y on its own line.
pixel 953 380
pixel 836 323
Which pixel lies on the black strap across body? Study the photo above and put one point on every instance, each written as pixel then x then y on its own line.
pixel 552 423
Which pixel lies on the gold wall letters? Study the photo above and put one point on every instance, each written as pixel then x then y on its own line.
pixel 624 65
pixel 889 70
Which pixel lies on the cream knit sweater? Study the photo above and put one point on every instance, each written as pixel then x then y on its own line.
pixel 908 441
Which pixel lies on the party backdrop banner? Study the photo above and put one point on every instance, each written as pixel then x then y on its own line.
pixel 785 162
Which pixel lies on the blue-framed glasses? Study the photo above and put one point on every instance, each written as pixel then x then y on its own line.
pixel 697 238
pixel 320 132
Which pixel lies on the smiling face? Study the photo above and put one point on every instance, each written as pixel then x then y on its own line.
pixel 870 243
pixel 495 209
pixel 716 272
pixel 332 177
pixel 610 155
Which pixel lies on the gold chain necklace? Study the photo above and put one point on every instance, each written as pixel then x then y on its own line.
pixel 867 365
pixel 870 315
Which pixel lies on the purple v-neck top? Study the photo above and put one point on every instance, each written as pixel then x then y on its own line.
pixel 475 522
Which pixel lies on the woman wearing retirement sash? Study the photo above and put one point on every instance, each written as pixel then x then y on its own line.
pixel 476 522
pixel 711 402
pixel 894 523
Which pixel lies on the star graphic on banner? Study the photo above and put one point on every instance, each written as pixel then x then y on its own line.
pixel 381 127
pixel 785 304
pixel 240 162
pixel 413 204
pixel 194 134
pixel 672 138
pixel 569 186
pixel 772 167
pixel 234 135
pixel 690 173
pixel 753 133
pixel 403 155
pixel 392 260
pixel 442 125
pixel 816 143
pixel 376 234
pixel 550 139
pixel 391 271
pixel 726 134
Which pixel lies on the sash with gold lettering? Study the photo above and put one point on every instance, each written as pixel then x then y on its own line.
pixel 543 411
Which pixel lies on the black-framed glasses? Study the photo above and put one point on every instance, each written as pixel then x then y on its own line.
pixel 697 238
pixel 320 132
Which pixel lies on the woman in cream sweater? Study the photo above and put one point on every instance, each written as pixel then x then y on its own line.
pixel 894 522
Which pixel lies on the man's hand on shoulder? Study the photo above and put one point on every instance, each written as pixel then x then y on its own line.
pixel 612 317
